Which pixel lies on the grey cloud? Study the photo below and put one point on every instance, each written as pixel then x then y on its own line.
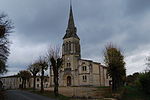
pixel 123 22
pixel 136 7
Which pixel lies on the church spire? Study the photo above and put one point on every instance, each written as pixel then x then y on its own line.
pixel 71 29
pixel 71 19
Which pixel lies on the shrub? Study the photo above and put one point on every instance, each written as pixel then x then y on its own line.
pixel 144 80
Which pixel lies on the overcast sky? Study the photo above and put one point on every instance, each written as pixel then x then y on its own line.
pixel 41 23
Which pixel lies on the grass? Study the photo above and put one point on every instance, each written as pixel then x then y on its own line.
pixel 1 95
pixel 49 94
pixel 105 91
pixel 134 93
pixel 28 89
pixel 128 93
pixel 103 87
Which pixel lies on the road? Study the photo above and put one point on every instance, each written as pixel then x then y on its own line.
pixel 23 95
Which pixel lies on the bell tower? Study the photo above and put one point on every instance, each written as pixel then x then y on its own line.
pixel 71 44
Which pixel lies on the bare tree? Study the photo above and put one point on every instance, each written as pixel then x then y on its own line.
pixel 56 62
pixel 43 65
pixel 34 69
pixel 147 64
pixel 25 75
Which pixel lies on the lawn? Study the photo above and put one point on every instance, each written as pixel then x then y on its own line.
pixel 49 94
pixel 134 93
pixel 130 93
pixel 1 95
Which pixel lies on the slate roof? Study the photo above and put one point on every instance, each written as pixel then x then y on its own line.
pixel 71 29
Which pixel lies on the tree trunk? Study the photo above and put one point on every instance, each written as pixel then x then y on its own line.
pixel 22 84
pixel 56 83
pixel 25 84
pixel 29 85
pixel 114 84
pixel 42 77
pixel 56 87
pixel 56 90
pixel 34 82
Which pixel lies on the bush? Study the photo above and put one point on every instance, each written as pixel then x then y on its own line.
pixel 1 95
pixel 144 80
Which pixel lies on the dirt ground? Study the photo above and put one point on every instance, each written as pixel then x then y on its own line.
pixel 89 92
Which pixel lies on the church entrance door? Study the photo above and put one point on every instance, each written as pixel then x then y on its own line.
pixel 68 81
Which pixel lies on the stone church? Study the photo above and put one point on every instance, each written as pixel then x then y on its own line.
pixel 76 71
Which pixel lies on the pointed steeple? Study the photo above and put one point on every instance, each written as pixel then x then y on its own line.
pixel 71 29
pixel 71 19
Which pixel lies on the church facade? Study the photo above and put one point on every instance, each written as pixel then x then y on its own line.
pixel 76 71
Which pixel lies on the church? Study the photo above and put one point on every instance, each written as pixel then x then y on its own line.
pixel 76 71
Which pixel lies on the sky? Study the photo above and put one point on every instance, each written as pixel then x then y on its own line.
pixel 40 24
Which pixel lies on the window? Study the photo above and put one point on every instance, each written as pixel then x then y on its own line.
pixel 68 65
pixel 110 83
pixel 46 86
pixel 76 47
pixel 84 68
pixel 38 79
pixel 84 78
pixel 69 46
pixel 107 75
pixel 46 80
pixel 38 85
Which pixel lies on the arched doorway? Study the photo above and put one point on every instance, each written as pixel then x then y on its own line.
pixel 68 81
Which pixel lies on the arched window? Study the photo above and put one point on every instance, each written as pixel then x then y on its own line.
pixel 46 80
pixel 76 47
pixel 69 46
pixel 84 68
pixel 38 79
pixel 84 78
pixel 69 81
pixel 107 75
pixel 68 65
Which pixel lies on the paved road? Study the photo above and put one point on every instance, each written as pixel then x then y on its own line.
pixel 23 95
